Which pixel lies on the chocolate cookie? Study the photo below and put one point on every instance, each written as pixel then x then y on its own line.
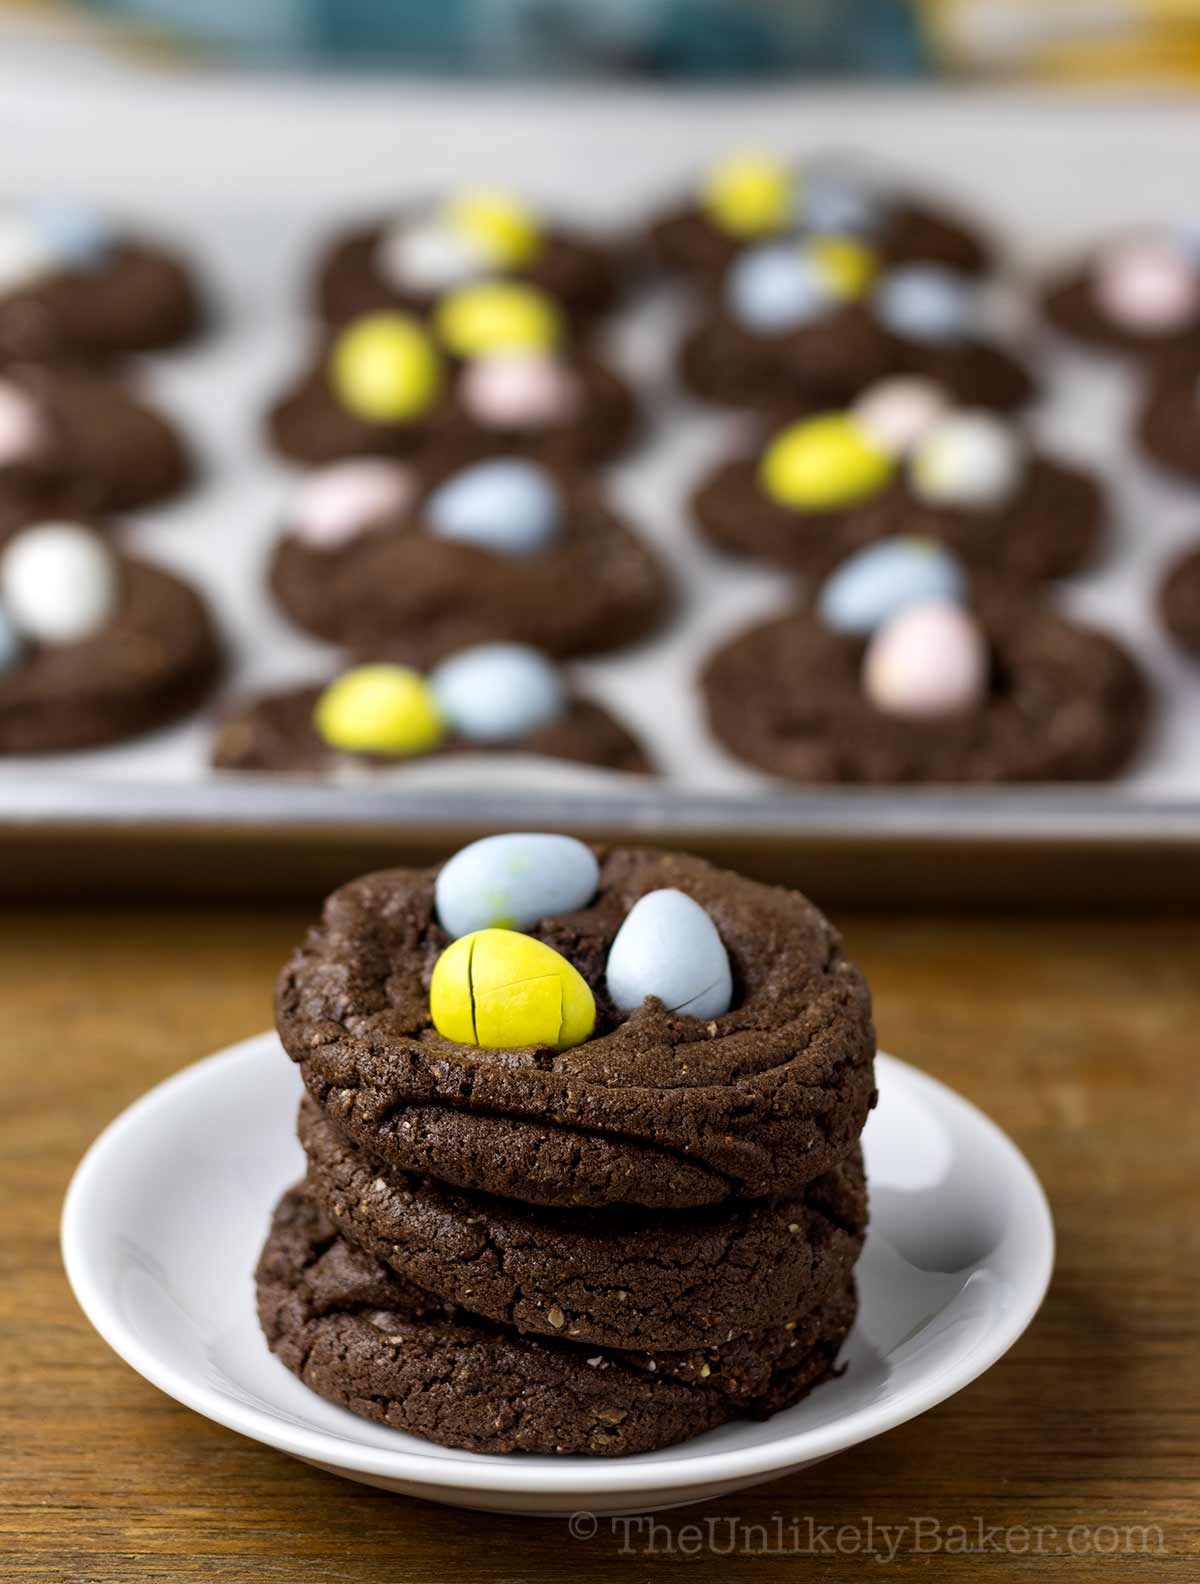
pixel 1179 601
pixel 358 1335
pixel 92 297
pixel 398 591
pixel 275 733
pixel 1138 296
pixel 1168 425
pixel 1062 703
pixel 1047 529
pixel 620 1278
pixel 154 660
pixel 354 276
pixel 656 1108
pixel 80 442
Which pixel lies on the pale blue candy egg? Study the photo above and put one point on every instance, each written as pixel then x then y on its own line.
pixel 10 644
pixel 838 203
pixel 923 302
pixel 875 583
pixel 512 881
pixel 498 692
pixel 76 235
pixel 507 506
pixel 776 288
pixel 669 947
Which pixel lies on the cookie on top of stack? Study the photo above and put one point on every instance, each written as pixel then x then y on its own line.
pixel 582 1134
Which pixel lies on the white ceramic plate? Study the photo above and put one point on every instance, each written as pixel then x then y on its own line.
pixel 165 1215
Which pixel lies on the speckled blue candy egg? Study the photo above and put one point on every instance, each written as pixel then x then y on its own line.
pixel 76 235
pixel 512 881
pixel 498 692
pixel 508 506
pixel 841 202
pixel 923 302
pixel 776 288
pixel 10 644
pixel 874 584
pixel 669 947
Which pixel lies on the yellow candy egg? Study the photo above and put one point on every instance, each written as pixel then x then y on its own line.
pixel 843 265
pixel 503 231
pixel 503 990
pixel 498 316
pixel 749 195
pixel 380 709
pixel 823 463
pixel 384 368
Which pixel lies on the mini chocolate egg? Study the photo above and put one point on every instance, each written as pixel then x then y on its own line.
pixel 928 662
pixel 823 463
pixel 502 231
pixel 749 195
pixel 519 390
pixel 1148 285
pixel 23 431
pixel 498 316
pixel 839 201
pixel 503 991
pixel 25 256
pixel 380 709
pixel 11 647
pixel 424 255
pixel 970 459
pixel 508 506
pixel 924 302
pixel 335 504
pixel 669 947
pixel 876 582
pixel 775 288
pixel 896 412
pixel 384 368
pixel 498 692
pixel 77 236
pixel 60 582
pixel 513 881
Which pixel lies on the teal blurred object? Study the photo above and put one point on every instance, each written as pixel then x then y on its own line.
pixel 696 39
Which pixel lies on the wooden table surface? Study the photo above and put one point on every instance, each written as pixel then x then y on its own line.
pixel 1077 1034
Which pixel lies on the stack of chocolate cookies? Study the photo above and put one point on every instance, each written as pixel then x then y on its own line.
pixel 588 1183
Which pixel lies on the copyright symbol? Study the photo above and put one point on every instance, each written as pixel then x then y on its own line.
pixel 582 1526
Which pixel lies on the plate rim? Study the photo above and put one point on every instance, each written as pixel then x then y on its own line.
pixel 451 1468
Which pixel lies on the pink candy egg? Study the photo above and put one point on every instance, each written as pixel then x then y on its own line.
pixel 336 503
pixel 897 412
pixel 1148 286
pixel 519 391
pixel 22 430
pixel 927 662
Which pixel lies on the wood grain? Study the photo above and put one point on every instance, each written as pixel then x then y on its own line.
pixel 1078 1034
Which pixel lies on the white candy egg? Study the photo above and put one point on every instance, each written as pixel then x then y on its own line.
pixel 897 412
pixel 498 692
pixel 970 459
pixel 425 256
pixel 669 947
pixel 334 504
pixel 508 506
pixel 59 582
pixel 25 255
pixel 23 430
pixel 512 881
pixel 776 288
pixel 1149 285
pixel 924 302
pixel 875 583
pixel 928 662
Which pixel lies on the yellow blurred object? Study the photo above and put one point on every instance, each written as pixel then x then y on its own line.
pixel 498 316
pixel 823 463
pixel 1067 40
pixel 750 195
pixel 504 990
pixel 380 709
pixel 844 265
pixel 503 231
pixel 384 368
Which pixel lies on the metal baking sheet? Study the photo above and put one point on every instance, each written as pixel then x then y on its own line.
pixel 248 174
